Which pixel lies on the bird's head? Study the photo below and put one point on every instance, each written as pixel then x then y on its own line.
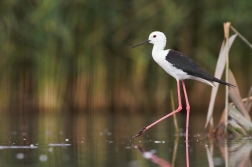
pixel 155 37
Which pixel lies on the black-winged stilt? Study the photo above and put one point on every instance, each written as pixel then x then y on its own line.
pixel 180 67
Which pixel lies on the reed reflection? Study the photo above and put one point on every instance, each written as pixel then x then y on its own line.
pixel 234 153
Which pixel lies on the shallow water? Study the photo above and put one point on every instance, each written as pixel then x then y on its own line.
pixel 101 141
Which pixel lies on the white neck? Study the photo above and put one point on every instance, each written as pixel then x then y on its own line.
pixel 158 47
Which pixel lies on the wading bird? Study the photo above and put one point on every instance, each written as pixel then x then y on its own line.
pixel 180 67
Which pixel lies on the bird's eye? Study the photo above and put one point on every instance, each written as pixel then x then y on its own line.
pixel 154 36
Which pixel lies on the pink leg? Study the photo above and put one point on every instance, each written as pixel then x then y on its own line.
pixel 168 115
pixel 187 123
pixel 187 109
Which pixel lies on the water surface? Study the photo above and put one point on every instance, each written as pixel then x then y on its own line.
pixel 105 141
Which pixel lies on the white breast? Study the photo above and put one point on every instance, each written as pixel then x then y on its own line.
pixel 160 56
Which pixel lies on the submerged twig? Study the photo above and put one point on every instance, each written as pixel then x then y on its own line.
pixel 174 115
pixel 174 155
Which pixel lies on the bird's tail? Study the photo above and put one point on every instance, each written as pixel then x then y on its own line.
pixel 224 83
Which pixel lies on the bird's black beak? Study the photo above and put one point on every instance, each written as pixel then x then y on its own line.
pixel 144 42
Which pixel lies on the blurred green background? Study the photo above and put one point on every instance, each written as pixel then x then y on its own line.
pixel 73 55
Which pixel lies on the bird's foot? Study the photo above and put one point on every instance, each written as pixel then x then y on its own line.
pixel 140 132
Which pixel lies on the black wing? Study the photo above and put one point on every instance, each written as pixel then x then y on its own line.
pixel 190 67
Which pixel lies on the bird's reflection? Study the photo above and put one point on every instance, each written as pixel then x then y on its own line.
pixel 154 158
pixel 150 155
